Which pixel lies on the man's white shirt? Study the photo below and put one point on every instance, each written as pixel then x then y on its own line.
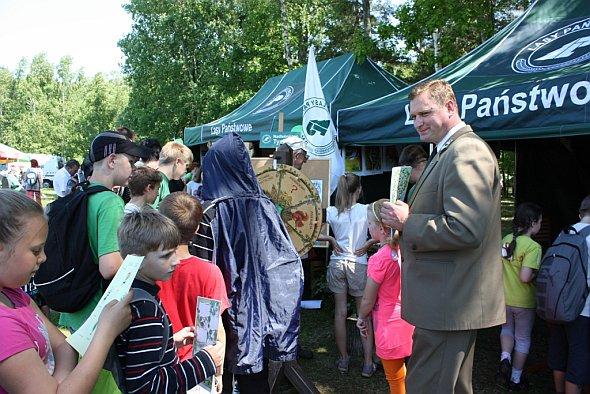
pixel 60 182
pixel 447 137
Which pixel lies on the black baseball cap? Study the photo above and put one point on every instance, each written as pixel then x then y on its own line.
pixel 109 142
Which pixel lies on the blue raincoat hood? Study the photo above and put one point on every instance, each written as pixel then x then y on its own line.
pixel 261 268
pixel 228 170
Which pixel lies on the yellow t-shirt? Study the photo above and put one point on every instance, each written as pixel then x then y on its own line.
pixel 526 254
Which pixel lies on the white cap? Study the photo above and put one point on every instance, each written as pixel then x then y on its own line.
pixel 294 142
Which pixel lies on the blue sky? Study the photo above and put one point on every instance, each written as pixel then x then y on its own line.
pixel 86 30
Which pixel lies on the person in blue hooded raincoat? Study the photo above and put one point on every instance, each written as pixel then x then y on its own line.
pixel 261 268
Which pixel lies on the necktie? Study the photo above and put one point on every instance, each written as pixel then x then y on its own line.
pixel 431 156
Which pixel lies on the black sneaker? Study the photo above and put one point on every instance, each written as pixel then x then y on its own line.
pixel 504 372
pixel 520 386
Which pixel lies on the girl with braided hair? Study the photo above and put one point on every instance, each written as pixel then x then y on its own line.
pixel 521 257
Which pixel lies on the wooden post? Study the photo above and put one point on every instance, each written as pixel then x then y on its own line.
pixel 281 122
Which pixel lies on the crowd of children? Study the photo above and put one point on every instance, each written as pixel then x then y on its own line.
pixel 153 336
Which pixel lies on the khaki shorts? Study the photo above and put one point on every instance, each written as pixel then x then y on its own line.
pixel 347 277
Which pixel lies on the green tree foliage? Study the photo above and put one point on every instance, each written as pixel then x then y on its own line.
pixel 54 110
pixel 458 27
pixel 192 61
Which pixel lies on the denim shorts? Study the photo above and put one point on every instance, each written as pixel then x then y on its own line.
pixel 569 350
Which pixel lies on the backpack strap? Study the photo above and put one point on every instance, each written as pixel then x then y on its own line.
pixel 585 232
pixel 95 189
pixel 142 295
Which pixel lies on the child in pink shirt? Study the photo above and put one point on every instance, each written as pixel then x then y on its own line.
pixel 382 299
pixel 34 356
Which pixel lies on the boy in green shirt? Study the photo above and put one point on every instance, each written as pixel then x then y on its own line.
pixel 174 158
pixel 113 157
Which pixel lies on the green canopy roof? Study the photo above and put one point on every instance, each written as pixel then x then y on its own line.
pixel 345 82
pixel 529 80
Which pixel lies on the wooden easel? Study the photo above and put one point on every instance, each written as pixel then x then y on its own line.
pixel 292 370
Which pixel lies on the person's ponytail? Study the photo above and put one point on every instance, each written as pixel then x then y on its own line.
pixel 348 184
pixel 525 215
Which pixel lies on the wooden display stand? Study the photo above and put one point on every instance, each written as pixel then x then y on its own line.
pixel 293 373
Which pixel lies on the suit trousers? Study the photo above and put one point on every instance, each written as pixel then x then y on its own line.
pixel 441 362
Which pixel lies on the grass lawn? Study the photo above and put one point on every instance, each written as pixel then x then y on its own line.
pixel 47 196
pixel 317 335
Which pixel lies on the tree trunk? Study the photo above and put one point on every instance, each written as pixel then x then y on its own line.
pixel 285 27
pixel 367 17
pixel 435 42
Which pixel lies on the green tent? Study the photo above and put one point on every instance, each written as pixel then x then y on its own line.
pixel 530 80
pixel 345 82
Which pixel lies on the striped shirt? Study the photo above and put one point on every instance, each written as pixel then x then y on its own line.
pixel 138 348
pixel 202 243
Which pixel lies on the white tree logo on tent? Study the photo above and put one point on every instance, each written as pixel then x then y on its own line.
pixel 317 133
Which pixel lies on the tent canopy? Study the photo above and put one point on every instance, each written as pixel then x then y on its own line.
pixel 529 80
pixel 345 82
pixel 8 153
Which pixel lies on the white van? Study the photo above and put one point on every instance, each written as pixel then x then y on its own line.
pixel 50 168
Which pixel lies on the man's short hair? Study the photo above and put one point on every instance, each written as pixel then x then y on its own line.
pixel 146 231
pixel 72 163
pixel 153 148
pixel 185 211
pixel 127 132
pixel 140 178
pixel 412 155
pixel 438 89
pixel 585 206
pixel 174 150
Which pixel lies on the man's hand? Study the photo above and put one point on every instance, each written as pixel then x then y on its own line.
pixel 395 215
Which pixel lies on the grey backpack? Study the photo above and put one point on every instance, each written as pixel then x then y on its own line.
pixel 562 286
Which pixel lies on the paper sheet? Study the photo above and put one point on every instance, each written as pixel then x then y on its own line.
pixel 311 304
pixel 118 288
pixel 206 326
pixel 400 177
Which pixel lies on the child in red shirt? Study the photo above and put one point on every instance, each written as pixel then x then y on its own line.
pixel 193 277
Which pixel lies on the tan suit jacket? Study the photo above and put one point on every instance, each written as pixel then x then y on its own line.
pixel 451 266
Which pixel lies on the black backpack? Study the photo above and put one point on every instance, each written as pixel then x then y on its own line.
pixel 69 278
pixel 562 286
pixel 113 363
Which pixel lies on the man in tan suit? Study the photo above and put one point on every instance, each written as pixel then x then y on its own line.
pixel 451 270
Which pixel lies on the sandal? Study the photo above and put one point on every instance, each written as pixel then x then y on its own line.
pixel 342 364
pixel 368 370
